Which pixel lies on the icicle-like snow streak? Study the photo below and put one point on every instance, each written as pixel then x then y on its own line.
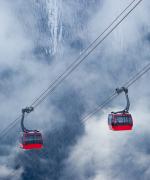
pixel 54 23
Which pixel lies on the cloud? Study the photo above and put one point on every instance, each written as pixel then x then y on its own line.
pixel 104 154
pixel 14 42
pixel 9 173
pixel 39 40
pixel 8 167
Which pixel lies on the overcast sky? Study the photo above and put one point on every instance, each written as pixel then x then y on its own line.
pixel 38 40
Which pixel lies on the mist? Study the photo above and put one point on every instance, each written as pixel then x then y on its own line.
pixel 39 39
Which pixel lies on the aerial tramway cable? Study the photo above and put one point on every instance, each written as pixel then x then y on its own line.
pixel 129 83
pixel 74 65
pixel 80 56
pixel 143 71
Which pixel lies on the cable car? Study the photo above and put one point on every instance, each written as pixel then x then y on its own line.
pixel 121 120
pixel 30 139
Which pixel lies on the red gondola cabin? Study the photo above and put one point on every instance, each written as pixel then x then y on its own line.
pixel 31 140
pixel 120 121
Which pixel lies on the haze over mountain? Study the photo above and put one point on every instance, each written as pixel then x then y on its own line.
pixel 38 40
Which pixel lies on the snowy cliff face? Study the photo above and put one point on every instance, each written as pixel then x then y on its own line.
pixel 54 24
pixel 67 23
pixel 39 39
